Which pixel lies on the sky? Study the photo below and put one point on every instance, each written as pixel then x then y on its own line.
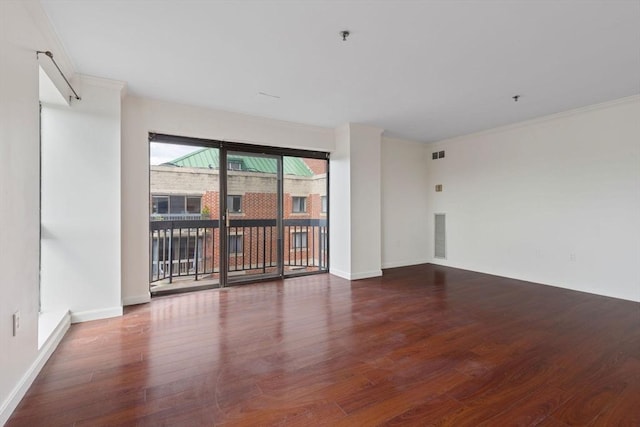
pixel 161 152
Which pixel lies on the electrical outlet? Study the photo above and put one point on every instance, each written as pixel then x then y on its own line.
pixel 572 257
pixel 16 323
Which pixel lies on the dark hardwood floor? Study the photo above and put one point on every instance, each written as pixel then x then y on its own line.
pixel 423 345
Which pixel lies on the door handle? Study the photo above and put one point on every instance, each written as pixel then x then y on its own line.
pixel 226 218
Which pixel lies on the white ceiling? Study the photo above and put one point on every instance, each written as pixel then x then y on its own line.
pixel 424 70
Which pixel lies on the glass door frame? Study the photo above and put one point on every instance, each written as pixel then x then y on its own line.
pixel 225 147
pixel 225 220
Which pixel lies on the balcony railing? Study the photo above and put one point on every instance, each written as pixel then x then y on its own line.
pixel 175 217
pixel 183 247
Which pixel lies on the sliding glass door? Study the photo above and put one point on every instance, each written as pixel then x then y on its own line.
pixel 253 216
pixel 225 213
pixel 184 231
pixel 305 210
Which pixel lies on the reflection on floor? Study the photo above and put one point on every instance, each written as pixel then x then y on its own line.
pixel 422 345
pixel 184 284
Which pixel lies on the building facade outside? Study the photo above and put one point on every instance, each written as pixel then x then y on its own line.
pixel 185 213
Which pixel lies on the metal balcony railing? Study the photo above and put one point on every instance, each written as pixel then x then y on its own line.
pixel 176 217
pixel 190 247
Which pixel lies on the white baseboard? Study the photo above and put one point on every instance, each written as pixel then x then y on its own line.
pixel 103 313
pixel 48 321
pixel 356 276
pixel 534 280
pixel 339 273
pixel 16 395
pixel 366 274
pixel 405 263
pixel 137 299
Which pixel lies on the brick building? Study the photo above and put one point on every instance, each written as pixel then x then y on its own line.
pixel 188 189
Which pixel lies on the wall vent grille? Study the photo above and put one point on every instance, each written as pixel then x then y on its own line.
pixel 440 247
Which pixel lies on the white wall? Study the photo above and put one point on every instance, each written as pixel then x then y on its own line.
pixel 23 30
pixel 366 226
pixel 141 116
pixel 404 203
pixel 355 223
pixel 19 187
pixel 81 203
pixel 554 200
pixel 340 204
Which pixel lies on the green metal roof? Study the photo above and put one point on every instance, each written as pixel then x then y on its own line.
pixel 209 158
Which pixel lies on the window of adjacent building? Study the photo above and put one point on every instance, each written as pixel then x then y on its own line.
pixel 175 204
pixel 193 205
pixel 235 243
pixel 160 205
pixel 299 240
pixel 183 249
pixel 234 165
pixel 234 204
pixel 323 204
pixel 299 204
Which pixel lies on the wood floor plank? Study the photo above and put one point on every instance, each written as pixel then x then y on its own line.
pixel 598 393
pixel 623 411
pixel 422 345
pixel 533 410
